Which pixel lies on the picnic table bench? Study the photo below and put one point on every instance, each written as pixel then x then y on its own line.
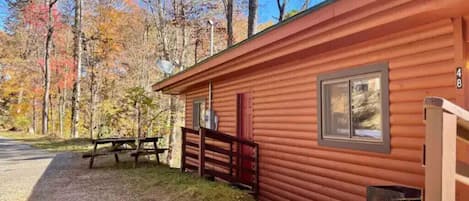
pixel 120 145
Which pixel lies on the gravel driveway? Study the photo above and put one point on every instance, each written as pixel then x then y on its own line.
pixel 27 173
pixel 21 167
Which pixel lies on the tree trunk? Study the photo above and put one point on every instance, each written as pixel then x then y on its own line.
pixel 281 9
pixel 63 94
pixel 77 62
pixel 305 5
pixel 252 18
pixel 20 97
pixel 139 120
pixel 183 34
pixel 172 106
pixel 51 114
pixel 48 44
pixel 229 22
pixel 92 97
pixel 162 28
pixel 34 116
pixel 196 47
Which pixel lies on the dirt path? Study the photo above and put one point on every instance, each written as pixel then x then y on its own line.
pixel 31 174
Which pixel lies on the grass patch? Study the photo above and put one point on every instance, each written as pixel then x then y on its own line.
pixel 151 179
pixel 53 144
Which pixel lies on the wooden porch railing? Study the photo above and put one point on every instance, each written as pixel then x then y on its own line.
pixel 446 136
pixel 213 153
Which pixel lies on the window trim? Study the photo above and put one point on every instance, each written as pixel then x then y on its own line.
pixel 349 74
pixel 200 100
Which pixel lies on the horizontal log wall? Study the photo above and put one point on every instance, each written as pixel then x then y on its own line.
pixel 292 164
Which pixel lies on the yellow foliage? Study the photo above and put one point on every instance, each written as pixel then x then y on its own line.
pixel 265 25
pixel 111 29
pixel 108 27
pixel 240 27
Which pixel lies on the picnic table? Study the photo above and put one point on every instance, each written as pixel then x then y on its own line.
pixel 120 145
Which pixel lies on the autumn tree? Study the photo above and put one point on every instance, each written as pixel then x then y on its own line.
pixel 281 4
pixel 77 52
pixel 252 17
pixel 19 63
pixel 305 5
pixel 228 4
pixel 44 17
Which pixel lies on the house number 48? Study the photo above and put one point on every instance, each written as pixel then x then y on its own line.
pixel 458 77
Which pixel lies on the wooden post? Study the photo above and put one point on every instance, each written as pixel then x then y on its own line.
pixel 183 149
pixel 156 152
pixel 256 149
pixel 440 160
pixel 137 152
pixel 202 132
pixel 93 153
pixel 231 158
pixel 460 60
pixel 115 154
pixel 238 161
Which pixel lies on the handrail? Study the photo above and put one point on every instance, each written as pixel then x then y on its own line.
pixel 448 106
pixel 227 159
pixel 222 136
pixel 461 113
pixel 445 123
pixel 189 130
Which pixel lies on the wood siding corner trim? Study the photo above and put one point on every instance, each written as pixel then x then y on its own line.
pixel 460 59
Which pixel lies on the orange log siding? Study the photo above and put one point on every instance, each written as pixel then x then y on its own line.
pixel 292 164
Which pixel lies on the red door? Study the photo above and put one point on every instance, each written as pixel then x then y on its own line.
pixel 244 127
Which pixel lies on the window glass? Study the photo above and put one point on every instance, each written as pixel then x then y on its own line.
pixel 366 107
pixel 202 114
pixel 198 114
pixel 337 110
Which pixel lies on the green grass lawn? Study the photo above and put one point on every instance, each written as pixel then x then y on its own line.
pixel 146 179
pixel 180 186
pixel 53 144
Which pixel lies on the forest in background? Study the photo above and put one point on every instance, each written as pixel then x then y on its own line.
pixel 84 68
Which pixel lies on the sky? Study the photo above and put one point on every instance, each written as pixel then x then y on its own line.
pixel 3 13
pixel 267 11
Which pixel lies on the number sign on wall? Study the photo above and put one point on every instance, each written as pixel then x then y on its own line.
pixel 459 78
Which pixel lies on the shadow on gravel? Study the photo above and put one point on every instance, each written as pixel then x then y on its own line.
pixel 43 189
pixel 67 178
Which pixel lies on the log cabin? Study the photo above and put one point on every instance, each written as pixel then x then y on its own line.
pixel 333 96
